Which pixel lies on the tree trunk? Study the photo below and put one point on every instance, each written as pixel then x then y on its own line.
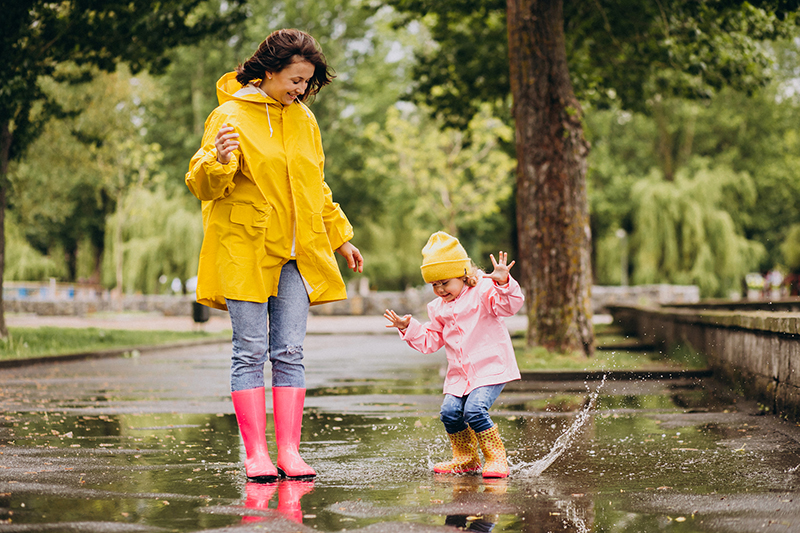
pixel 5 150
pixel 118 292
pixel 552 206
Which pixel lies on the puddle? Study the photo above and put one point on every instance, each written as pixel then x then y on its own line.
pixel 671 456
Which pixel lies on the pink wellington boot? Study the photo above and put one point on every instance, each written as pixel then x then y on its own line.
pixel 258 497
pixel 287 409
pixel 251 414
pixel 289 493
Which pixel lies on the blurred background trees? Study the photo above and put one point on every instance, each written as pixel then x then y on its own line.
pixel 697 184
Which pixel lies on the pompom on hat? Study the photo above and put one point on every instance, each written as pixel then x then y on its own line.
pixel 443 257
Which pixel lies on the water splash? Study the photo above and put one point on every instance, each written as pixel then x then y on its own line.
pixel 573 516
pixel 565 440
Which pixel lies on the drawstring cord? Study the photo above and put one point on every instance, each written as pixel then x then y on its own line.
pixel 248 90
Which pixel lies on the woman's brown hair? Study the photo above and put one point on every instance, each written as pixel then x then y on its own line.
pixel 279 50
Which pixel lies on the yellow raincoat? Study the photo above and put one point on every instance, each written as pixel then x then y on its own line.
pixel 268 205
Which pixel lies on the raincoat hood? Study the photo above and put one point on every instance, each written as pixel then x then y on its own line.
pixel 230 89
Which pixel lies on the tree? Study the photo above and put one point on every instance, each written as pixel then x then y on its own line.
pixel 37 36
pixel 624 50
pixel 552 206
pixel 433 178
pixel 456 176
pixel 753 139
pixel 684 233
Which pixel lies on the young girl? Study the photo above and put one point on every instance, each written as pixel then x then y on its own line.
pixel 466 320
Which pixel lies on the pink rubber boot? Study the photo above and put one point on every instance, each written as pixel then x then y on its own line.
pixel 251 414
pixel 287 409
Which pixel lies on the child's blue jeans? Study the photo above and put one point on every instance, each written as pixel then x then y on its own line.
pixel 275 329
pixel 471 410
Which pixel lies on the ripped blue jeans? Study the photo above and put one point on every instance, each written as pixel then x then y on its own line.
pixel 274 330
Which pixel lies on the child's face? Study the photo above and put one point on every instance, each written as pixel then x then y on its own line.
pixel 448 289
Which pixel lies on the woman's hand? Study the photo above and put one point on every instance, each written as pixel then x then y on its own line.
pixel 225 142
pixel 355 261
pixel 500 273
pixel 396 321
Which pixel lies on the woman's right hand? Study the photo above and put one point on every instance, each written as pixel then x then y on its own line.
pixel 225 142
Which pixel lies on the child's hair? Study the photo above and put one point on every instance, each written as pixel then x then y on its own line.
pixel 472 277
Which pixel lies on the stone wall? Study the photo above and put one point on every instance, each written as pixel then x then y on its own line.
pixel 362 301
pixel 605 296
pixel 757 352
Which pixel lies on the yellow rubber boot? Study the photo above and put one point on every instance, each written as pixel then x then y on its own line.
pixel 494 452
pixel 465 454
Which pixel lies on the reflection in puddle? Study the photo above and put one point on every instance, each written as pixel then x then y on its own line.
pixel 639 457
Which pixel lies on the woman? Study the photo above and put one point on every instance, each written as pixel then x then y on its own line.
pixel 271 228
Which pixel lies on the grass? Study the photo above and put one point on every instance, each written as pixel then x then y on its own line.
pixel 609 358
pixel 25 343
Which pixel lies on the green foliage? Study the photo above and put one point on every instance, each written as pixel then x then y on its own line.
pixel 629 52
pixel 790 248
pixel 684 233
pixel 433 179
pixel 56 196
pixel 36 37
pixel 123 141
pixel 674 358
pixel 466 65
pixel 623 52
pixel 24 263
pixel 161 234
pixel 84 165
pixel 756 135
pixel 456 177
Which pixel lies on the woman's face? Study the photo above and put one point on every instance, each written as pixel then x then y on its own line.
pixel 290 83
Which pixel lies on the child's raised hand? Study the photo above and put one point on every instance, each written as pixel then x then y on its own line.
pixel 500 273
pixel 396 321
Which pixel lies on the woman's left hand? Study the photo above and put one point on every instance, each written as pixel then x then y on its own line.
pixel 354 259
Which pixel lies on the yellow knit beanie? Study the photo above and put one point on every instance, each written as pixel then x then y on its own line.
pixel 444 258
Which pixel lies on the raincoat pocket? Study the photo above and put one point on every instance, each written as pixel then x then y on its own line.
pixel 317 224
pixel 247 230
pixel 250 216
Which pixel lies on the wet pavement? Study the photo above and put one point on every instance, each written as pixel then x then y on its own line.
pixel 150 443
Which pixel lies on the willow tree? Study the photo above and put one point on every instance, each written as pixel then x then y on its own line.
pixel 540 51
pixel 684 233
pixel 154 233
